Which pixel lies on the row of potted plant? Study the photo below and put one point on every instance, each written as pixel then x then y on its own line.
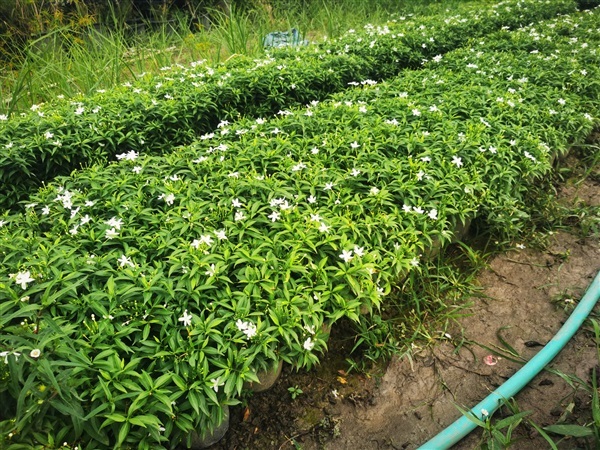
pixel 139 298
pixel 153 114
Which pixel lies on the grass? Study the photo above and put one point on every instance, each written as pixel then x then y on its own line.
pixel 72 59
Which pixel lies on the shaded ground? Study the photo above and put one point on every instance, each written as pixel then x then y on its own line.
pixel 527 295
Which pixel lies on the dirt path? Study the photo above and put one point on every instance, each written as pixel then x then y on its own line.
pixel 528 294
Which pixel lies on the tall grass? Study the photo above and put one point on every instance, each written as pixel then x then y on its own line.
pixel 67 60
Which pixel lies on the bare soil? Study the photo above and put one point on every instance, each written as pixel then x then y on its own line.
pixel 527 296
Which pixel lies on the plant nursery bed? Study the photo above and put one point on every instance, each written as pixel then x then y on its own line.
pixel 527 294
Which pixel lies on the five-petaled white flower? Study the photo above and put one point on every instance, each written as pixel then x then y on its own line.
pixel 433 214
pixel 355 144
pixel 359 251
pixel 323 228
pixel 186 319
pixel 215 383
pixel 35 353
pixel 114 223
pixel 23 278
pixel 457 161
pixel 111 233
pixel 355 172
pixel 239 215
pixel 315 218
pixel 211 271
pixel 236 203
pixel 347 255
pixel 274 216
pixel 308 344
pixel 220 234
pixel 312 199
pixel 248 328
pixel 125 261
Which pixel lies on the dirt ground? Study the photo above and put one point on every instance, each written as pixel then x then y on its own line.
pixel 527 296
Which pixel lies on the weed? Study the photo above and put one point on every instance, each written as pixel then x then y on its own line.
pixel 295 392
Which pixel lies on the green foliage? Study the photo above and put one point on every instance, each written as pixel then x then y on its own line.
pixel 154 115
pixel 295 392
pixel 138 297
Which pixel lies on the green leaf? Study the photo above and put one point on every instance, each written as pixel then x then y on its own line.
pixel 570 430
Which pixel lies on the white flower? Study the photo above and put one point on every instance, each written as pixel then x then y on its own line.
pixel 314 150
pixel 129 156
pixel 414 262
pixel 359 251
pixel 521 246
pixel 562 101
pixel 323 228
pixel 48 135
pixel 418 210
pixel 35 353
pixel 125 261
pixel 406 208
pixel 310 329
pixel 186 319
pixel 220 234
pixel 115 223
pixel 346 255
pixel 433 214
pixel 355 172
pixel 298 167
pixel 23 278
pixel 79 111
pixel 355 144
pixel 308 344
pixel 437 58
pixel 3 117
pixel 215 383
pixel 74 230
pixel 484 412
pixel 426 159
pixel 112 233
pixel 457 161
pixel 239 215
pixel 248 328
pixel 315 218
pixel 236 203
pixel 328 186
pixel 374 191
pixel 420 175
pixel 416 112
pixel 45 210
pixel 274 216
pixel 312 199
pixel 168 199
pixel 211 271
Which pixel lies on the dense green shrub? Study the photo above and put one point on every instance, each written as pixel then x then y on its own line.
pixel 136 299
pixel 155 114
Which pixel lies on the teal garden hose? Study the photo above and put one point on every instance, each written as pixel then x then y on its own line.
pixel 463 426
